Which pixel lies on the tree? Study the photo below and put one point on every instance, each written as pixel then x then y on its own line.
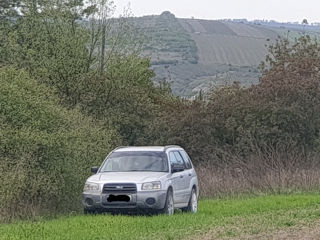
pixel 91 58
pixel 304 23
pixel 60 43
pixel 50 44
pixel 8 8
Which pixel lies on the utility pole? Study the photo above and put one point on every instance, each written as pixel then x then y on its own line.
pixel 103 46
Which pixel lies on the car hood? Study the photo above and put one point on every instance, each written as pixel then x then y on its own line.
pixel 126 177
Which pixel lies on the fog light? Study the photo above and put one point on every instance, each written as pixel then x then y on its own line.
pixel 89 202
pixel 150 201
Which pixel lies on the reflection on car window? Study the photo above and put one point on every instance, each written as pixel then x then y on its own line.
pixel 179 158
pixel 186 159
pixel 175 158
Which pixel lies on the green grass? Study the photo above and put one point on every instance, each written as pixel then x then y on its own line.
pixel 232 217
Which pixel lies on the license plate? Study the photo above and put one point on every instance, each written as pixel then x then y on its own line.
pixel 118 198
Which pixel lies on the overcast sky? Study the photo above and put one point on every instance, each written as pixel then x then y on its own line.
pixel 279 10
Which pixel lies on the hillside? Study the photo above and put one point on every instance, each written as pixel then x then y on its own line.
pixel 196 54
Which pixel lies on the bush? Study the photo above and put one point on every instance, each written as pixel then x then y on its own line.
pixel 46 151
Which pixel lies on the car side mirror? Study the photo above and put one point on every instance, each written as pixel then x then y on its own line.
pixel 176 168
pixel 94 169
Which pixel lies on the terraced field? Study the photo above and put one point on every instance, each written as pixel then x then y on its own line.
pixel 252 31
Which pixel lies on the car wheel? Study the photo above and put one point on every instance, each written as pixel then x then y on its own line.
pixel 169 205
pixel 193 202
pixel 91 211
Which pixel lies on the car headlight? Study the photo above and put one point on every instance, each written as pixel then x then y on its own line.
pixel 91 187
pixel 151 186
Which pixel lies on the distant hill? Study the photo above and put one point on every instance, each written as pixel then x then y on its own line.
pixel 196 54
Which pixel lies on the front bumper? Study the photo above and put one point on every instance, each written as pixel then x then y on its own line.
pixel 151 200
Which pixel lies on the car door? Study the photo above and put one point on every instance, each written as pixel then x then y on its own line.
pixel 189 172
pixel 177 180
pixel 186 178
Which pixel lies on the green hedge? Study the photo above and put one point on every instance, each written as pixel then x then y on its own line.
pixel 46 151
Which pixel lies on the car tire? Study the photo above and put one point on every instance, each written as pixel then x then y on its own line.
pixel 193 202
pixel 169 204
pixel 90 211
pixel 87 211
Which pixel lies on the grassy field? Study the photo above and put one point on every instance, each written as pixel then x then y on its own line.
pixel 216 219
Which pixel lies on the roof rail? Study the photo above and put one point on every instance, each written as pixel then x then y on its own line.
pixel 118 148
pixel 171 146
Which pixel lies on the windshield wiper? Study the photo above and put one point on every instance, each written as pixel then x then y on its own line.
pixel 135 170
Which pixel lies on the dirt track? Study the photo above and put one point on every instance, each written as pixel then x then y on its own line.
pixel 311 232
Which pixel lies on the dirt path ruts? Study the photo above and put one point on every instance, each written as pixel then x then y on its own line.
pixel 310 232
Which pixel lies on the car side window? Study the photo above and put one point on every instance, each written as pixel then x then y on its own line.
pixel 186 159
pixel 179 158
pixel 175 160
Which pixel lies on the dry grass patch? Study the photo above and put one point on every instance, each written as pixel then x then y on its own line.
pixel 295 224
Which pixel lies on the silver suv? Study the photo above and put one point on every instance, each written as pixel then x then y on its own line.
pixel 159 179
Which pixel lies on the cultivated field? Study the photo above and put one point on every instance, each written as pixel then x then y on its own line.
pixel 227 49
pixel 262 217
pixel 229 43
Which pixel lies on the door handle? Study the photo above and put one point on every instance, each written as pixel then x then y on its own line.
pixel 190 174
pixel 181 176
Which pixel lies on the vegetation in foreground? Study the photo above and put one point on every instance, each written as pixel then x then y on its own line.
pixel 237 217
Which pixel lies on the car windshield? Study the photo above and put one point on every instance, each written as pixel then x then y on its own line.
pixel 136 161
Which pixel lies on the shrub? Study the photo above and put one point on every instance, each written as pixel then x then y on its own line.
pixel 46 151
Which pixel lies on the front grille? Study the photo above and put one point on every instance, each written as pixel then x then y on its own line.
pixel 119 205
pixel 119 188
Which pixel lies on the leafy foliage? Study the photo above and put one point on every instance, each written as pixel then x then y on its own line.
pixel 124 97
pixel 45 150
pixel 51 46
